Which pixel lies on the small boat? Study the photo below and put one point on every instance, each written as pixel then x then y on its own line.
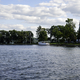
pixel 43 43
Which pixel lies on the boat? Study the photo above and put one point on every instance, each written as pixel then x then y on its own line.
pixel 43 43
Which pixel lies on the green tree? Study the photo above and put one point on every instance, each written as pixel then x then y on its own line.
pixel 50 32
pixel 56 32
pixel 78 34
pixel 3 36
pixel 29 37
pixel 1 41
pixel 38 31
pixel 70 33
pixel 7 37
pixel 15 37
pixel 43 36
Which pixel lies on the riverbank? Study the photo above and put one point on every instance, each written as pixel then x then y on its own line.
pixel 66 44
pixel 54 44
pixel 20 44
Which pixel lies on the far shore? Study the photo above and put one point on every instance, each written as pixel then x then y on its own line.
pixel 66 44
pixel 52 44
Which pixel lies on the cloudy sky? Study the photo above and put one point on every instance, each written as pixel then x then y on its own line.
pixel 29 14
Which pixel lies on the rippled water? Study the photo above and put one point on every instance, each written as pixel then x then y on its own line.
pixel 33 62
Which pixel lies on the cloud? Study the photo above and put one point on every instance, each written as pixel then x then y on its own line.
pixel 16 27
pixel 66 6
pixel 29 14
pixel 54 12
pixel 11 27
pixel 72 7
pixel 53 3
pixel 2 27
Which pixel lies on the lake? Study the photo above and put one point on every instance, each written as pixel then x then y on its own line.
pixel 33 62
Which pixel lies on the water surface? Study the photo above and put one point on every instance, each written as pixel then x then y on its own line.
pixel 33 62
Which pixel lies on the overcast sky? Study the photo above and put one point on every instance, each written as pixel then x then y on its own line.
pixel 29 14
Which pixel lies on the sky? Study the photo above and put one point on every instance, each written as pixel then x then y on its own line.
pixel 27 15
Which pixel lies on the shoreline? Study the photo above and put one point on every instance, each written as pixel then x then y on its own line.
pixel 66 44
pixel 52 44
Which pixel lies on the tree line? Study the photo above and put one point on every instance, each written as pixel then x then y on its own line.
pixel 59 33
pixel 16 37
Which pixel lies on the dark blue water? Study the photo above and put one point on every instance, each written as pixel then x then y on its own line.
pixel 33 62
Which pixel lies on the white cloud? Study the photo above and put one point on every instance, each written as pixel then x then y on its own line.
pixel 54 12
pixel 11 27
pixel 48 4
pixel 72 7
pixel 18 27
pixel 2 27
pixel 56 1
pixel 28 13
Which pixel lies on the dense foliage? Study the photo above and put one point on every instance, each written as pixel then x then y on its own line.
pixel 78 34
pixel 41 34
pixel 61 33
pixel 15 37
pixel 57 33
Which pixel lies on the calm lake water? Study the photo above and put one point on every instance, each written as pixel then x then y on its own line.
pixel 33 62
